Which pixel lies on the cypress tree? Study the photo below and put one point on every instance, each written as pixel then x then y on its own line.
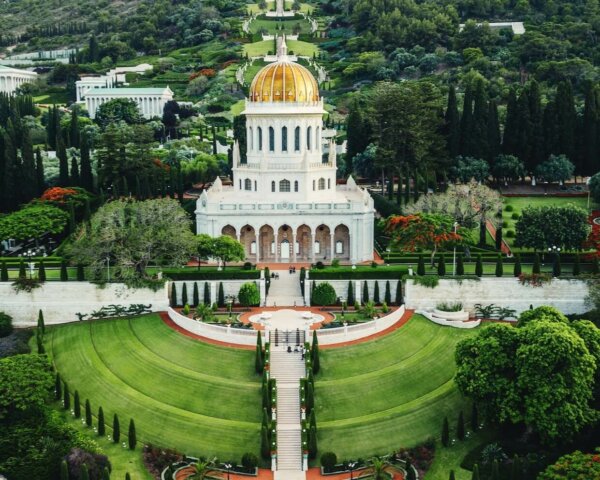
pixel 474 418
pixel 399 296
pixel 523 139
pixel 41 272
pixel 66 396
pixel 493 132
pixel 595 265
pixel 410 471
pixel 88 413
pixel 40 342
pixel 184 299
pixel 310 396
pixel 475 475
pixel 388 294
pixel 39 172
pixel 87 177
pixel 22 272
pixel 421 265
pixel 265 444
pixel 57 387
pixel 174 302
pixel 566 117
pixel 358 138
pixel 591 128
pixel 28 183
pixel 536 264
pixel 131 435
pixel 80 273
pixel 576 266
pixel 556 267
pixel 479 266
pixel 64 470
pixel 314 353
pixel 63 162
pixel 482 234
pixel 116 429
pixel 350 293
pixel 466 120
pixel 4 273
pixel 517 267
pixel 74 129
pixel 76 405
pixel 460 427
pixel 499 239
pixel 127 476
pixel 460 266
pixel 511 132
pixel 106 474
pixel 452 124
pixel 313 419
pixel 550 129
pixel 536 118
pixel 441 267
pixel 74 176
pixel 71 223
pixel 101 426
pixel 445 432
pixel 312 443
pixel 499 267
pixel 365 292
pixel 265 419
pixel 64 275
pixel 206 294
pixel 258 360
pixel 265 396
pixel 451 476
pixel 221 296
pixel 478 136
pixel 84 475
pixel 196 295
pixel 40 323
pixel 376 293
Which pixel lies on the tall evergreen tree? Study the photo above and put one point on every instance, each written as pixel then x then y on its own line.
pixel 478 138
pixel 74 175
pixel 39 172
pixel 550 129
pixel 511 126
pixel 452 119
pixel 8 177
pixel 101 424
pixel 523 139
pixel 63 162
pixel 74 128
pixel 87 178
pixel 590 144
pixel 116 429
pixel 536 117
pixel 466 120
pixel 566 117
pixel 88 413
pixel 28 178
pixel 357 134
pixel 131 435
pixel 76 405
pixel 493 132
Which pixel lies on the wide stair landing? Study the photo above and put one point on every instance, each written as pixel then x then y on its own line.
pixel 285 291
pixel 288 369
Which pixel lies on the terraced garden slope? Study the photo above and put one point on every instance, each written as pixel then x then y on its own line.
pixel 198 398
pixel 392 392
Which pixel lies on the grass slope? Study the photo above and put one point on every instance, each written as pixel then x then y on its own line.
pixel 378 396
pixel 198 398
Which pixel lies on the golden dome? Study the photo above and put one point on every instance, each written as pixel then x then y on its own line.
pixel 284 81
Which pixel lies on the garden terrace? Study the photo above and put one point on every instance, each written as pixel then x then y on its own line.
pixel 197 398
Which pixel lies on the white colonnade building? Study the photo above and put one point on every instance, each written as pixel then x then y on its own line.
pixel 284 204
pixel 150 101
pixel 109 80
pixel 13 78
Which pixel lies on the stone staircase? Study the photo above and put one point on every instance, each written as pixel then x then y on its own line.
pixel 288 369
pixel 285 291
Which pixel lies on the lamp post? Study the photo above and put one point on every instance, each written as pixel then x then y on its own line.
pixel 343 302
pixel 556 250
pixel 454 255
pixel 228 467
pixel 229 301
pixel 351 466
pixel 29 254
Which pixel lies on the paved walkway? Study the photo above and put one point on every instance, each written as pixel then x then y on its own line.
pixel 285 290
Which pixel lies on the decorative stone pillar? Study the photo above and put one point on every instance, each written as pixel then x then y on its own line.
pixel 331 243
pixel 276 239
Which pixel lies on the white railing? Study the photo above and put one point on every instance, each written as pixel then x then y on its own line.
pixel 331 336
pixel 227 334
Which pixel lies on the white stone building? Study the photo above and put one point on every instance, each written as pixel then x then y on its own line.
pixel 111 79
pixel 284 204
pixel 150 101
pixel 13 78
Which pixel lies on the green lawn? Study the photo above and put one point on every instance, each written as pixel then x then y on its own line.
pixel 298 47
pixel 378 396
pixel 271 26
pixel 197 398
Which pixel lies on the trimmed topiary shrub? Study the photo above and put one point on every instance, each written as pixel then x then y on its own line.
pixel 441 266
pixel 445 432
pixel 515 216
pixel 510 233
pixel 221 296
pixel 460 266
pixel 509 208
pixel 421 265
pixel 6 326
pixel 324 294
pixel 131 435
pixel 499 267
pixel 116 429
pixel 328 461
pixel 479 266
pixel 184 295
pixel 249 461
pixel 101 425
pixel 517 268
pixel 249 296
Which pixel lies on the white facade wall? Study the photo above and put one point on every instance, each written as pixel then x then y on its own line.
pixel 230 288
pixel 61 301
pixel 341 288
pixel 566 295
pixel 12 78
pixel 149 104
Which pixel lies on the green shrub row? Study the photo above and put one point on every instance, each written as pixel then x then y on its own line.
pixel 212 274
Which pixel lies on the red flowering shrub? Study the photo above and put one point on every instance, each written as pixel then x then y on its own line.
pixel 58 194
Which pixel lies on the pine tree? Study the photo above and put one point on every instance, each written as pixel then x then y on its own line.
pixel 460 427
pixel 312 443
pixel 76 405
pixel 474 418
pixel 174 302
pixel 39 172
pixel 376 293
pixel 88 413
pixel 116 429
pixel 452 120
pixel 576 266
pixel 388 294
pixel 131 435
pixel 195 296
pixel 445 432
pixel 40 322
pixel 460 266
pixel 184 298
pixel 350 293
pixel 499 267
pixel 66 397
pixel 63 163
pixel 101 425
pixel 87 177
pixel 64 470
pixel 421 265
pixel 4 273
pixel 536 264
pixel 365 292
pixel 441 267
pixel 221 296
pixel 64 275
pixel 399 296
pixel 57 387
pixel 206 294
pixel 517 268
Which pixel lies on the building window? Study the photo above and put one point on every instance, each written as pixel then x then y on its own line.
pixel 271 139
pixel 284 186
pixel 321 184
pixel 273 186
pixel 318 138
pixel 253 248
pixel 339 247
pixel 297 247
pixel 295 185
pixel 313 186
pixel 247 184
pixel 297 139
pixel 251 138
pixel 284 139
pixel 272 248
pixel 329 184
pixel 317 247
pixel 308 134
pixel 240 183
pixel 255 189
pixel 259 139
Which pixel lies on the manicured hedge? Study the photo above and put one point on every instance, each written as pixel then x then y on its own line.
pixel 192 274
pixel 361 273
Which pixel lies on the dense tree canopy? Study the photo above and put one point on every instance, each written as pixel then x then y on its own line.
pixel 32 221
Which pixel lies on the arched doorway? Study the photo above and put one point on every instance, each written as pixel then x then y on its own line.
pixel 303 243
pixel 285 237
pixel 322 243
pixel 341 244
pixel 248 240
pixel 285 250
pixel 229 231
pixel 266 243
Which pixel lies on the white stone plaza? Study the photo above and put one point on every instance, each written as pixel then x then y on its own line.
pixel 285 204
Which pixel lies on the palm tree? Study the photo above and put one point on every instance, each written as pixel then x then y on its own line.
pixel 205 469
pixel 379 468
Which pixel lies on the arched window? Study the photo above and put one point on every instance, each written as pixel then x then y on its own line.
pixel 240 183
pixel 308 139
pixel 255 189
pixel 317 247
pixel 339 247
pixel 313 185
pixel 247 184
pixel 329 184
pixel 284 139
pixel 271 139
pixel 253 247
pixel 250 138
pixel 318 139
pixel 259 139
pixel 284 186
pixel 297 139
pixel 321 184
pixel 295 185
pixel 273 186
